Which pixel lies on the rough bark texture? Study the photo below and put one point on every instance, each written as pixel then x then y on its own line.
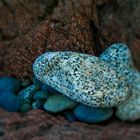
pixel 39 125
pixel 29 28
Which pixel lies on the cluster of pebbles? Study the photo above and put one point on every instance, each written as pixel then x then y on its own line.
pixel 80 86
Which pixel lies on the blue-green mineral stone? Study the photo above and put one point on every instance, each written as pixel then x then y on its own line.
pixel 26 95
pixel 83 78
pixel 92 114
pixel 58 103
pixel 9 84
pixel 40 95
pixel 9 101
pixel 130 109
pixel 118 56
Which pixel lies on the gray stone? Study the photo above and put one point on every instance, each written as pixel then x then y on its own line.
pixel 83 78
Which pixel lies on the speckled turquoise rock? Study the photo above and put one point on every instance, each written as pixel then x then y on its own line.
pixel 118 56
pixel 130 109
pixel 9 84
pixel 81 77
pixel 58 103
pixel 39 95
pixel 92 114
pixel 9 101
pixel 26 95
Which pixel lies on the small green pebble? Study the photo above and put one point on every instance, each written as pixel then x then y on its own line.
pixel 39 95
pixel 25 107
pixel 58 103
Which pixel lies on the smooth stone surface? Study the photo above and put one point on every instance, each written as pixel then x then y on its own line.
pixel 26 95
pixel 25 107
pixel 9 101
pixel 92 114
pixel 9 84
pixel 40 95
pixel 83 78
pixel 58 103
pixel 69 116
